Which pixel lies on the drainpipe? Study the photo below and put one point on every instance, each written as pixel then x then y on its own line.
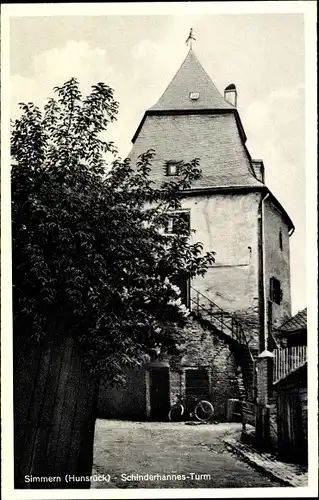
pixel 262 284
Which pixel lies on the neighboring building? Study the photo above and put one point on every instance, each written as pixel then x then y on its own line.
pixel 291 395
pixel 289 408
pixel 293 332
pixel 235 215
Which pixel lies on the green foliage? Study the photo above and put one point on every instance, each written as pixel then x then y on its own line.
pixel 90 257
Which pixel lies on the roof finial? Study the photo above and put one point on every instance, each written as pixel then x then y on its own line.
pixel 190 39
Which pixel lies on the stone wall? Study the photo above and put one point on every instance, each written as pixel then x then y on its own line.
pixel 264 380
pixel 177 384
pixel 206 349
pixel 202 349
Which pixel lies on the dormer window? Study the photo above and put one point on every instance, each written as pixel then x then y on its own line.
pixel 194 96
pixel 172 168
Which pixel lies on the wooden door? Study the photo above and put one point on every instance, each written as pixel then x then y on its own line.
pixel 159 393
pixel 197 385
pixel 291 445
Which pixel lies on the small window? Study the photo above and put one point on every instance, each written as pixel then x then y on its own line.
pixel 280 240
pixel 194 96
pixel 184 286
pixel 176 220
pixel 275 291
pixel 172 168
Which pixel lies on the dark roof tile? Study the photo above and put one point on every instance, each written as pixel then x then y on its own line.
pixel 297 322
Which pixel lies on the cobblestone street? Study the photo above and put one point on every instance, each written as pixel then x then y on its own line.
pixel 123 449
pixel 288 474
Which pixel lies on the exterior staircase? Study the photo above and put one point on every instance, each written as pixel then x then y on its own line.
pixel 233 333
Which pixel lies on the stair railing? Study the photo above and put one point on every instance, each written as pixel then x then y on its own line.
pixel 226 321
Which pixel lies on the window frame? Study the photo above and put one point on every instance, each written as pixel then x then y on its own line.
pixel 169 229
pixel 194 96
pixel 275 291
pixel 173 164
pixel 185 289
pixel 280 240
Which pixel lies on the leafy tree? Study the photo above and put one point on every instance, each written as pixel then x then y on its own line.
pixel 90 257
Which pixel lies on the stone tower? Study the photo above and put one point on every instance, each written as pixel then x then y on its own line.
pixel 247 289
pixel 230 207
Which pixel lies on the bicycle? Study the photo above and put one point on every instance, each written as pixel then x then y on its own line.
pixel 202 410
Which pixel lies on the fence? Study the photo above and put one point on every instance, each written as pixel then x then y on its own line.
pixel 288 360
pixel 54 413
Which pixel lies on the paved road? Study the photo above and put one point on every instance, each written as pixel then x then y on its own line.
pixel 197 452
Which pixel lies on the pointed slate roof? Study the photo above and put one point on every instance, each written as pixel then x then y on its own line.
pixel 225 160
pixel 191 77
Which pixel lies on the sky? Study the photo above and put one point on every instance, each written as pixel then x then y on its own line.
pixel 137 55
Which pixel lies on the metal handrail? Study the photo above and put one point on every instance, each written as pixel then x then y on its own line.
pixel 236 327
pixel 206 298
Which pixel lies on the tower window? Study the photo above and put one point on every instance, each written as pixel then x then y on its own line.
pixel 178 220
pixel 173 168
pixel 280 240
pixel 184 286
pixel 275 291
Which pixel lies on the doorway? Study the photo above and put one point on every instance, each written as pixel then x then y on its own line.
pixel 197 385
pixel 159 393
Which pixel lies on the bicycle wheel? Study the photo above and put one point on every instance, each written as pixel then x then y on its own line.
pixel 204 411
pixel 176 412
